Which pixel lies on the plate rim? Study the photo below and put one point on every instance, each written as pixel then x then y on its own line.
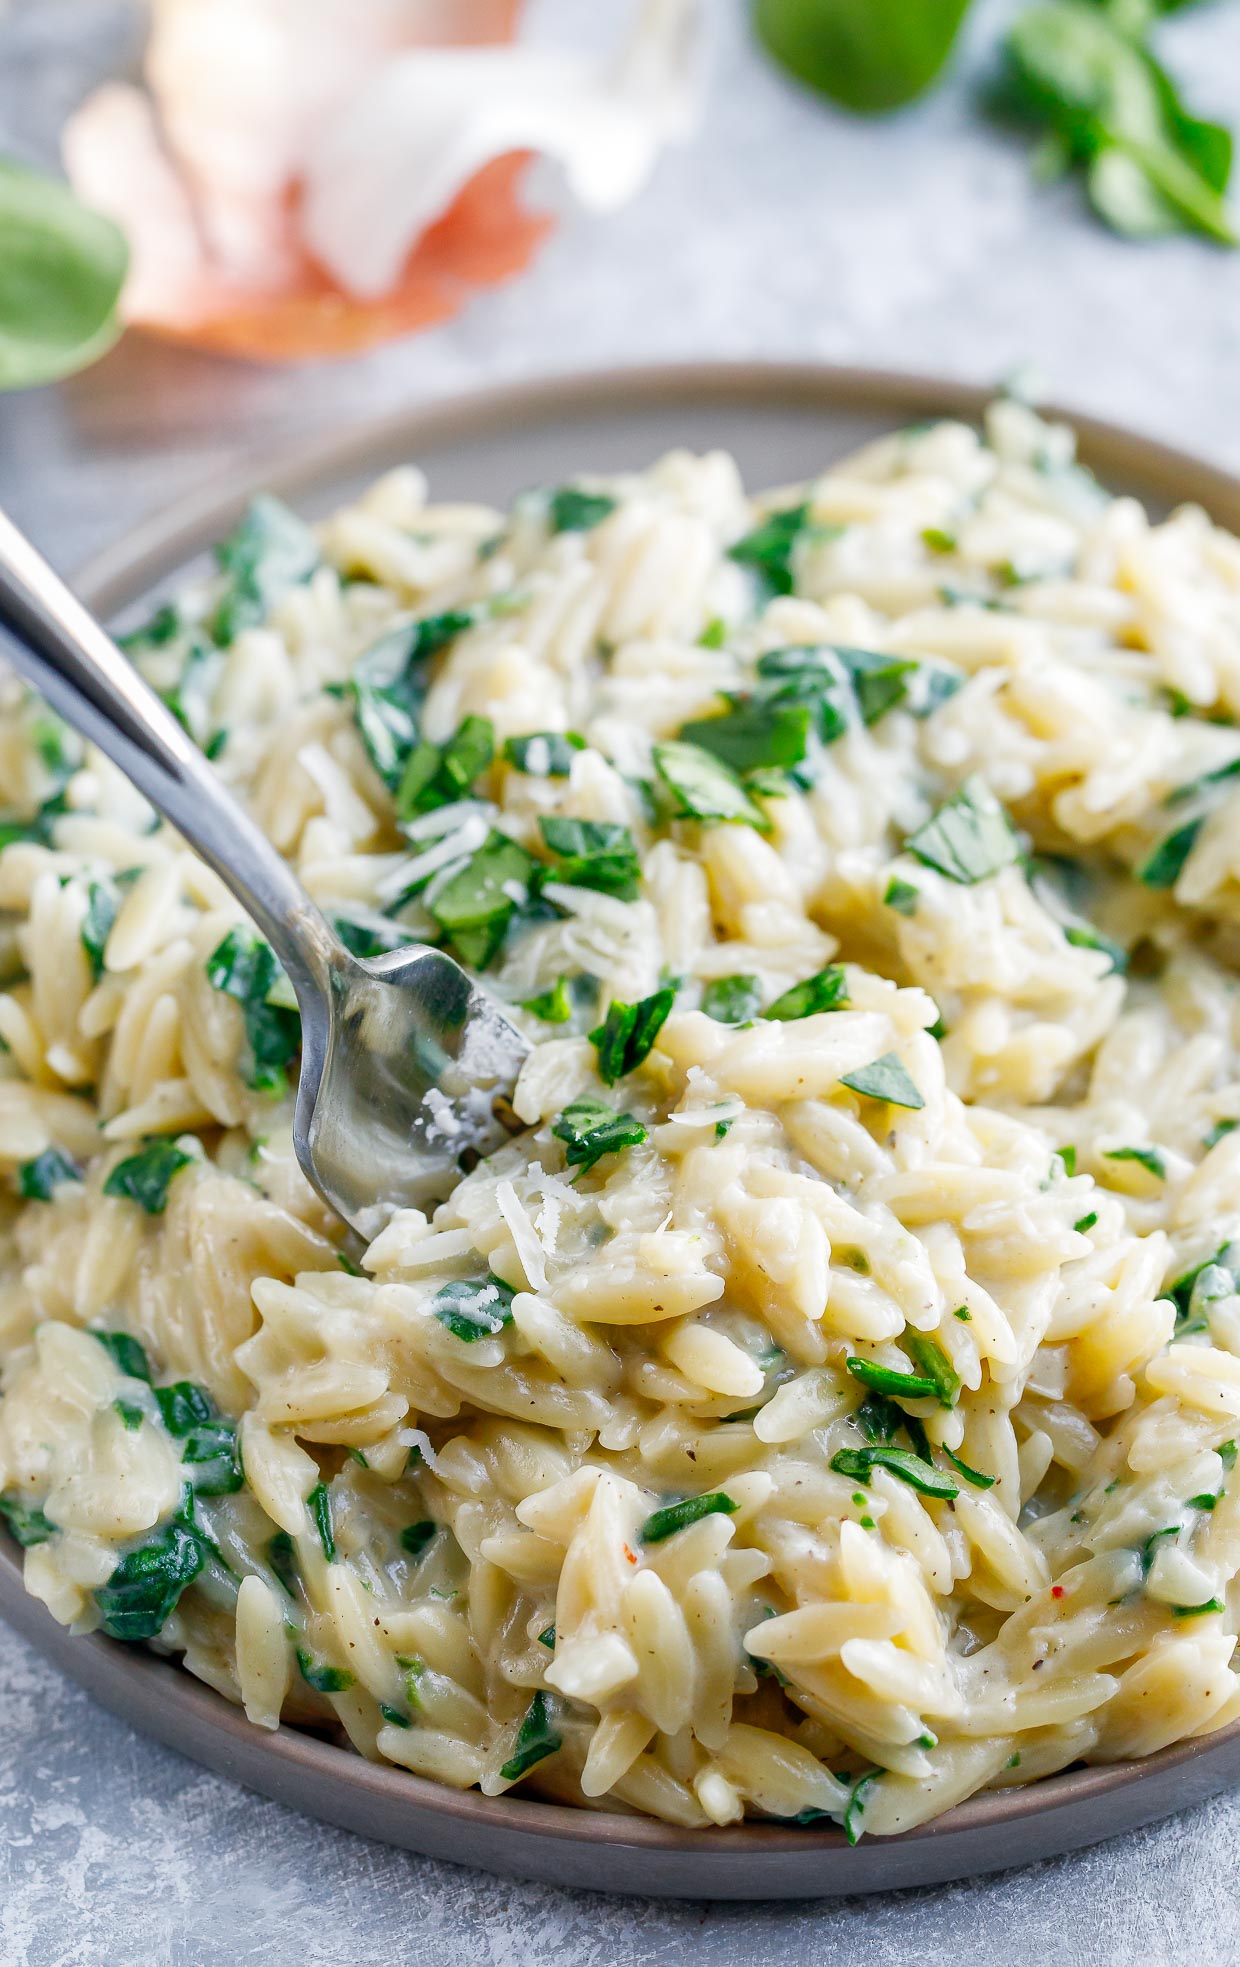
pixel 160 1696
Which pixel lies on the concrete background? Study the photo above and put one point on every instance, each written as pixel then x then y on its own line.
pixel 786 231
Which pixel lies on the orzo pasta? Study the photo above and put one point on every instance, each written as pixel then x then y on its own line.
pixel 826 1404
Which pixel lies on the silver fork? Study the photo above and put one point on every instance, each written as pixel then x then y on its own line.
pixel 378 1036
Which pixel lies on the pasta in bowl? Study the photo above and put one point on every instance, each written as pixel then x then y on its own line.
pixel 824 1408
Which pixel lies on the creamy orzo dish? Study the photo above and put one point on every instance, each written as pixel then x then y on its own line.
pixel 826 1405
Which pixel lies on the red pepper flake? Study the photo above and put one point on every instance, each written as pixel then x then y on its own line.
pixel 1056 1591
pixel 630 1554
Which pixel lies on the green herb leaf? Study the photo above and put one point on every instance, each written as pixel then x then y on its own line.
pixel 146 1177
pixel 754 735
pixel 440 774
pixel 324 1679
pixel 146 1586
pixel 38 1179
pixel 1148 1158
pixel 271 551
pixel 973 1475
pixel 29 1526
pixel 869 55
pixel 212 1454
pixel 902 896
pixel 703 788
pixel 770 548
pixel 319 1504
pixel 850 1823
pixel 666 1522
pixel 182 1407
pixel 928 1355
pixel 886 1380
pixel 61 272
pixel 553 1006
pixel 593 854
pixel 394 1716
pixel 828 991
pixel 129 1356
pixel 130 1413
pixel 416 1537
pixel 887 1080
pixel 476 1309
pixel 628 1032
pixel 920 1475
pixel 537 1738
pixel 282 1557
pixel 483 895
pixel 590 1129
pixel 544 754
pixel 733 1000
pixel 245 968
pixel 570 510
pixel 1163 866
pixel 102 905
pixel 1197 1611
pixel 969 838
pixel 389 682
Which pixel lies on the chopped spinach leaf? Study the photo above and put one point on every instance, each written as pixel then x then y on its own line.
pixel 969 838
pixel 393 1716
pixel 29 1526
pixel 553 1006
pixel 850 1823
pixel 131 1414
pixel 928 1355
pixel 129 1356
pixel 666 1522
pixel 913 1469
pixel 1163 866
pixel 440 774
pixel 754 735
pixel 536 1739
pixel 476 1309
pixel 628 1032
pixel 1148 1158
pixel 570 510
pixel 324 1678
pixel 886 1380
pixel 145 1177
pixel 183 1407
pixel 593 854
pixel 902 896
pixel 770 548
pixel 714 635
pixel 245 968
pixel 319 1504
pixel 270 551
pixel 146 1585
pixel 590 1129
pixel 827 991
pixel 544 754
pixel 282 1557
pixel 733 1000
pixel 474 904
pixel 703 787
pixel 38 1179
pixel 102 905
pixel 416 1537
pixel 886 1080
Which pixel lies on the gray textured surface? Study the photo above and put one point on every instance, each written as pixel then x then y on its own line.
pixel 786 231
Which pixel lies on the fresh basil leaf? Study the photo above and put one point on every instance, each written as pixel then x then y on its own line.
pixel 931 1360
pixel 474 1309
pixel 902 896
pixel 269 552
pixel 440 774
pixel 628 1032
pixel 879 682
pixel 544 754
pixel 887 1080
pixel 474 904
pixel 570 510
pixel 145 1177
pixel 868 55
pixel 38 1179
pixel 183 1407
pixel 703 787
pixel 244 967
pixel 389 682
pixel 146 1585
pixel 733 1000
pixel 1148 1158
pixel 212 1454
pixel 828 991
pixel 27 1525
pixel 666 1522
pixel 969 838
pixel 537 1738
pixel 593 854
pixel 590 1129
pixel 62 268
pixel 102 905
pixel 754 736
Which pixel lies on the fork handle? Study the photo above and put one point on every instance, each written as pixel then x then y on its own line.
pixel 58 646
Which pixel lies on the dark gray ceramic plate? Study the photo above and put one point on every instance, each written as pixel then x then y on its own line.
pixel 783 423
